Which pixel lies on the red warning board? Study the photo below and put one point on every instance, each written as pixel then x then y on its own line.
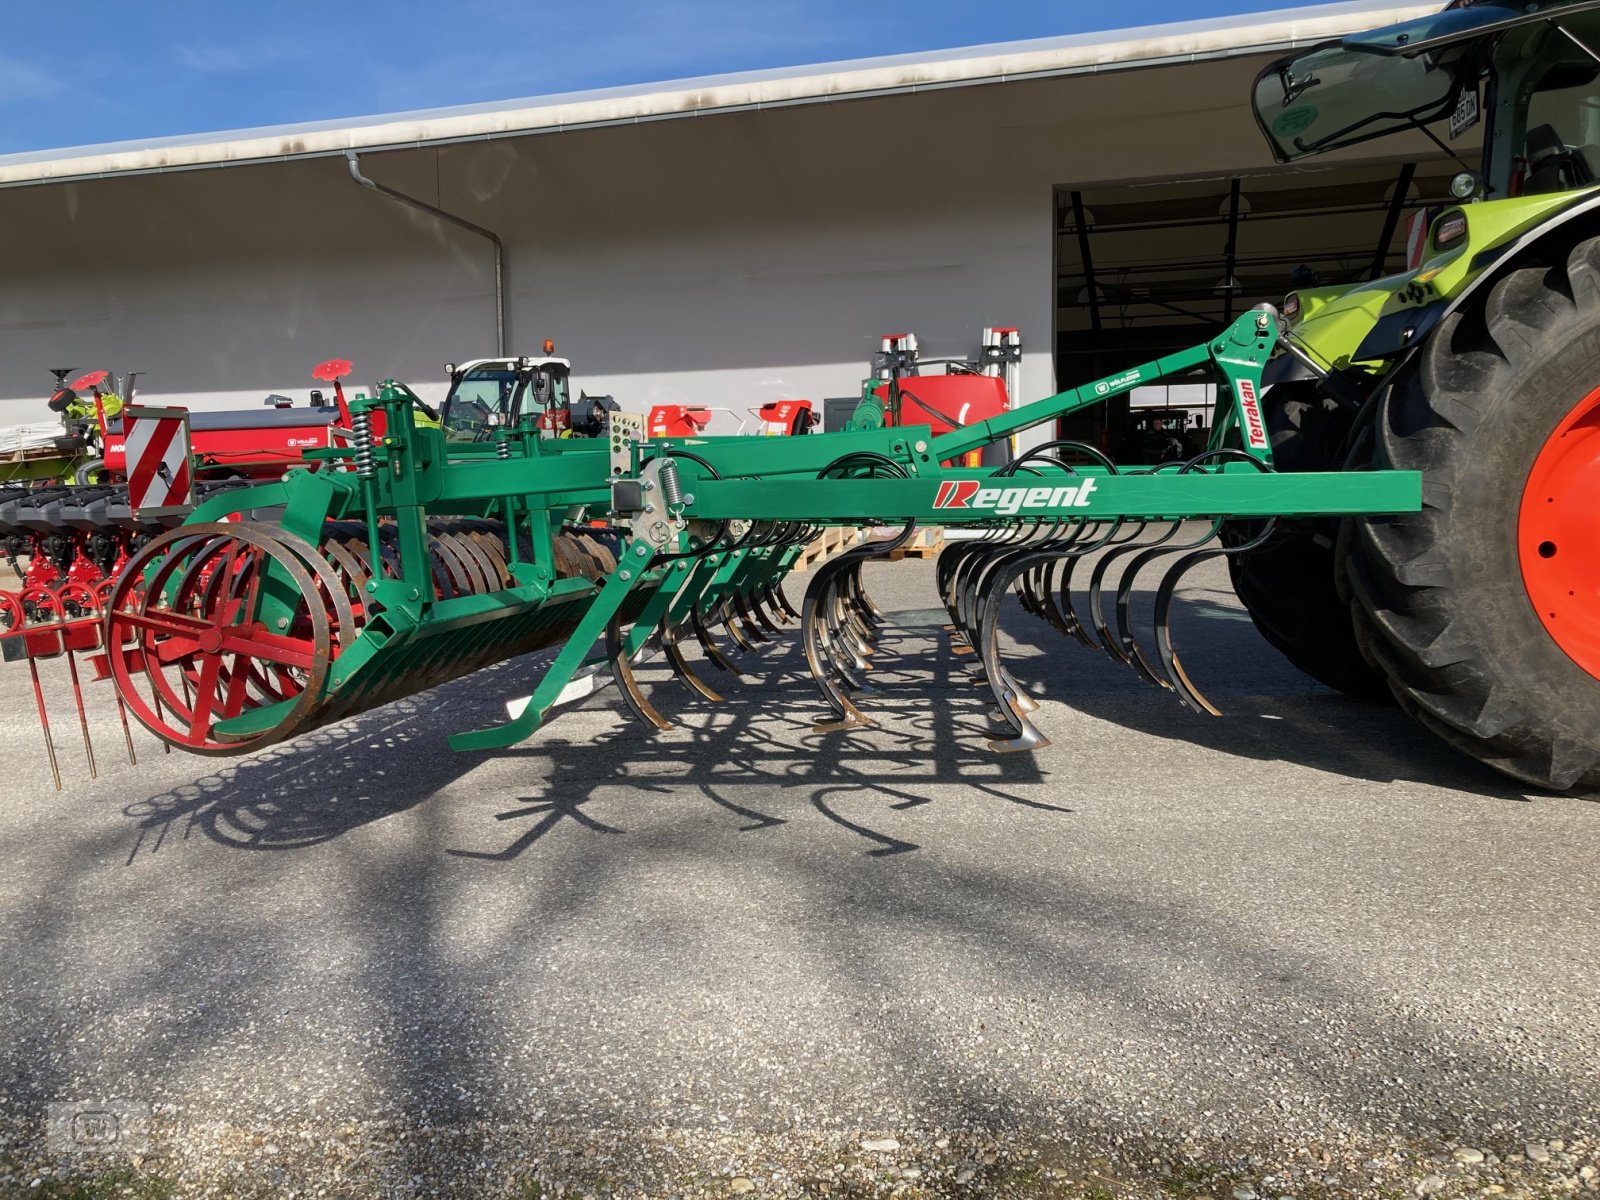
pixel 159 480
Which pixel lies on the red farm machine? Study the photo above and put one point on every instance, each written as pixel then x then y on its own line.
pixel 1403 475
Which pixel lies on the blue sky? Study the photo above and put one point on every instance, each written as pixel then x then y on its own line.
pixel 76 73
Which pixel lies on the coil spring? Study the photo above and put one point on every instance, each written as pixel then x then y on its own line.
pixel 361 429
pixel 502 449
pixel 671 485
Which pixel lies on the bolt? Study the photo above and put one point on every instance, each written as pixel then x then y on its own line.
pixel 372 585
pixel 283 622
pixel 688 497
pixel 921 446
pixel 641 551
pixel 625 576
pixel 649 508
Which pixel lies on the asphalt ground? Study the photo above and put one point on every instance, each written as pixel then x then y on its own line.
pixel 1305 945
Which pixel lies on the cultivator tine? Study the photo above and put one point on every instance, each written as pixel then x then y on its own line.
pixel 1069 615
pixel 833 628
pixel 820 660
pixel 869 612
pixel 1125 648
pixel 758 612
pixel 713 651
pixel 732 622
pixel 679 613
pixel 780 601
pixel 1012 702
pixel 681 668
pixel 1097 577
pixel 1177 678
pixel 633 698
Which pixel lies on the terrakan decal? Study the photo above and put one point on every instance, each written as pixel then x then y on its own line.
pixel 1255 433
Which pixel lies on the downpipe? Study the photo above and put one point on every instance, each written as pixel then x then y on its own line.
pixel 354 161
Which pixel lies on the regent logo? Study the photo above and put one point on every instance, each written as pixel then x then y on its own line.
pixel 971 495
pixel 1254 431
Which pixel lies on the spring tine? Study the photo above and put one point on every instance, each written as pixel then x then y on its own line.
pixel 864 614
pixel 752 631
pixel 681 667
pixel 771 617
pixel 713 651
pixel 759 613
pixel 44 724
pixel 1047 595
pixel 780 597
pixel 1134 655
pixel 83 717
pixel 1180 681
pixel 633 699
pixel 1097 578
pixel 735 630
pixel 774 607
pixel 1024 734
pixel 873 613
pixel 846 662
pixel 845 714
pixel 1069 614
pixel 846 623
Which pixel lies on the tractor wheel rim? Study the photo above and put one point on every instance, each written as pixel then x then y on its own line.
pixel 1558 534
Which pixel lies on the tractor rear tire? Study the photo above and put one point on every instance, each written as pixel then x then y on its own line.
pixel 1441 598
pixel 1288 587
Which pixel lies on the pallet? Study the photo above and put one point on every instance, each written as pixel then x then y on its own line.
pixel 925 543
pixel 832 542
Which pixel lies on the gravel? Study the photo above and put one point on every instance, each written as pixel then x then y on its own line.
pixel 1305 950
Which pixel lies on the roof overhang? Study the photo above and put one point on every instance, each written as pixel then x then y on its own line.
pixel 1152 46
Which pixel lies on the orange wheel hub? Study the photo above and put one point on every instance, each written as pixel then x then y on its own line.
pixel 1558 534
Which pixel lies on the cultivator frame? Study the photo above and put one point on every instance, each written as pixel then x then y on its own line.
pixel 225 635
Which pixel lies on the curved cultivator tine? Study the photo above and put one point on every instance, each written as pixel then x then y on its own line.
pixel 680 665
pixel 1176 677
pixel 714 653
pixel 1126 647
pixel 633 698
pixel 837 621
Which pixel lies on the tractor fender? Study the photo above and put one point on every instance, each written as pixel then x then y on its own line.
pixel 1578 220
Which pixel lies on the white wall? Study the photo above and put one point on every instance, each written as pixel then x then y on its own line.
pixel 724 260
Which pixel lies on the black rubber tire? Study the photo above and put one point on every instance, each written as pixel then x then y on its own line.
pixel 1437 596
pixel 1288 586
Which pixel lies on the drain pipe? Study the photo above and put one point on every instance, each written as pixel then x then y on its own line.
pixel 499 249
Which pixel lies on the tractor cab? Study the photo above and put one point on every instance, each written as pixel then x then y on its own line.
pixel 1528 70
pixel 487 394
pixel 1511 93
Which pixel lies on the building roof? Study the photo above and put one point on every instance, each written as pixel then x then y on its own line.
pixel 1076 54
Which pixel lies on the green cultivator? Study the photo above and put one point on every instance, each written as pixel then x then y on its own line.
pixel 385 568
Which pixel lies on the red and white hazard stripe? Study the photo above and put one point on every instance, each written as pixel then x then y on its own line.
pixel 158 458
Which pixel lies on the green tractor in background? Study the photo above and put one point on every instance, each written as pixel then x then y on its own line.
pixel 1479 368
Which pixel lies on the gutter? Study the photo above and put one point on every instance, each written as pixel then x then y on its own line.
pixel 354 161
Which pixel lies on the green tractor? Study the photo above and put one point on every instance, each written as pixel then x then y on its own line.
pixel 1480 368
